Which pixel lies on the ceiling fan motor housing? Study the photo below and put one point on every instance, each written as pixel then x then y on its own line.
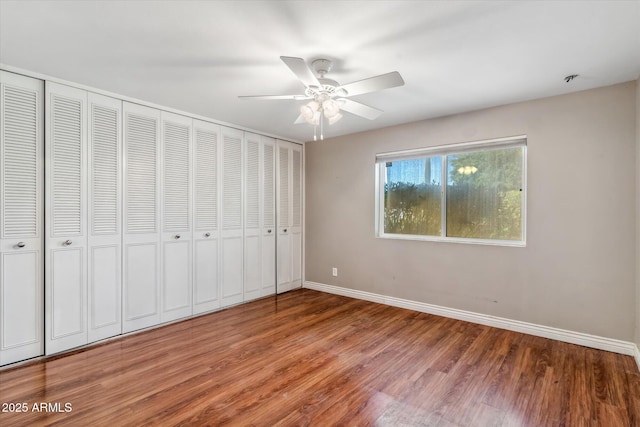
pixel 321 66
pixel 329 87
pixel 324 92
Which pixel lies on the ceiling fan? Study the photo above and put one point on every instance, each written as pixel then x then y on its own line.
pixel 327 96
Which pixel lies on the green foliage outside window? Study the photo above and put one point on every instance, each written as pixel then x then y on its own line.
pixel 412 209
pixel 483 198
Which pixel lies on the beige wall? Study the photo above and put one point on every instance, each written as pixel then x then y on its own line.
pixel 577 271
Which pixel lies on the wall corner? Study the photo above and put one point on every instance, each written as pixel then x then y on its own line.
pixel 637 306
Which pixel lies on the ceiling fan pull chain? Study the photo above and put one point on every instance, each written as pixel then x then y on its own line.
pixel 322 125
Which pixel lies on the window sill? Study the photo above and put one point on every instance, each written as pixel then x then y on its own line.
pixel 489 242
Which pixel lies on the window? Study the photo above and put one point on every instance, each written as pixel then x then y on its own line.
pixel 471 192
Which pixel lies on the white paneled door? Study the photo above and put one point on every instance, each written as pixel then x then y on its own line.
pixel 296 215
pixel 21 165
pixel 141 240
pixel 176 268
pixel 259 222
pixel 283 188
pixel 268 223
pixel 206 235
pixel 65 218
pixel 289 196
pixel 105 217
pixel 252 217
pixel 232 210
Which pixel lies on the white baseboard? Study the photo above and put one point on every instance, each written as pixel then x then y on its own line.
pixel 587 340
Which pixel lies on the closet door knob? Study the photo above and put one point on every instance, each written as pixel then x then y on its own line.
pixel 177 236
pixel 207 234
pixel 67 242
pixel 285 230
pixel 269 231
pixel 20 244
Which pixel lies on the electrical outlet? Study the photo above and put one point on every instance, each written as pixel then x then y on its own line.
pixel 335 272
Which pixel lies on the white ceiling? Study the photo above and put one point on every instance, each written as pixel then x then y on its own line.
pixel 199 56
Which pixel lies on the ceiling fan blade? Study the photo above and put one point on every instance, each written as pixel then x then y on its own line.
pixel 299 120
pixel 372 84
pixel 359 109
pixel 297 97
pixel 301 70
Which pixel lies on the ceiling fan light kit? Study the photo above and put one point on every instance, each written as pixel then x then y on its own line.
pixel 315 112
pixel 327 96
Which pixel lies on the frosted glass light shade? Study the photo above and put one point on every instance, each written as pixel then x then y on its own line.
pixel 309 110
pixel 330 108
pixel 335 118
pixel 315 119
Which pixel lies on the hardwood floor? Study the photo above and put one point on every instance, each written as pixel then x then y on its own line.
pixel 309 358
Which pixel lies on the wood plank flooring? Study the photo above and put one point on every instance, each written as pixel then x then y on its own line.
pixel 309 358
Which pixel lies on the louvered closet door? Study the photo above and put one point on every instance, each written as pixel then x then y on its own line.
pixel 283 188
pixel 296 216
pixel 252 217
pixel 206 236
pixel 176 217
pixel 105 218
pixel 231 235
pixel 65 218
pixel 141 240
pixel 21 157
pixel 289 191
pixel 268 217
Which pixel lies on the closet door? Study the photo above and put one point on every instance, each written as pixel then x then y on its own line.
pixel 176 217
pixel 283 187
pixel 21 154
pixel 296 215
pixel 206 236
pixel 289 195
pixel 268 217
pixel 231 236
pixel 105 218
pixel 141 240
pixel 65 218
pixel 252 217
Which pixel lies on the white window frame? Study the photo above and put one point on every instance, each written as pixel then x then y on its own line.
pixel 444 151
